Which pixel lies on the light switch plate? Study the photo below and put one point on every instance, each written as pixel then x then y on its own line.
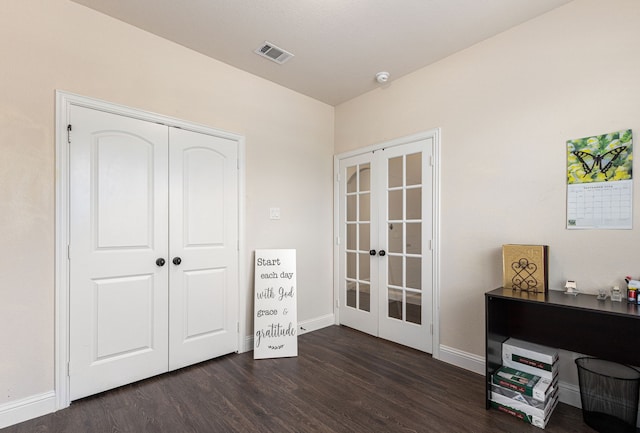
pixel 274 213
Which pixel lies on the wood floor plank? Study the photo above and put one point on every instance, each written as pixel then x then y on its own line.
pixel 341 381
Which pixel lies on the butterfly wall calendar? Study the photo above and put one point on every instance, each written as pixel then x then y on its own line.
pixel 600 181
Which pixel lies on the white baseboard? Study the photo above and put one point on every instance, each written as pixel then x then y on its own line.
pixel 569 394
pixel 27 408
pixel 317 323
pixel 461 359
pixel 303 328
pixel 247 344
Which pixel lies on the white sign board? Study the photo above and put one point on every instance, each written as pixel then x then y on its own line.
pixel 275 308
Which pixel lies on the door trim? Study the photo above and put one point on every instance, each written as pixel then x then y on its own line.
pixel 435 244
pixel 64 101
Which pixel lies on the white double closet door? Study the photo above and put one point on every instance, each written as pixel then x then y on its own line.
pixel 153 249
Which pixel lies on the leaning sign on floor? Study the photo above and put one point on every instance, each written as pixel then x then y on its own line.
pixel 275 318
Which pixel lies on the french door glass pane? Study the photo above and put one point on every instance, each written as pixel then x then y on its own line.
pixel 365 207
pixel 414 307
pixel 352 182
pixel 352 208
pixel 351 266
pixel 395 172
pixel 395 304
pixel 365 267
pixel 414 273
pixel 414 203
pixel 394 270
pixel 414 238
pixel 364 178
pixel 396 238
pixel 352 293
pixel 351 236
pixel 365 236
pixel 365 297
pixel 414 169
pixel 395 205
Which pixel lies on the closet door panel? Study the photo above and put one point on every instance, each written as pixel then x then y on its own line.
pixel 203 313
pixel 118 230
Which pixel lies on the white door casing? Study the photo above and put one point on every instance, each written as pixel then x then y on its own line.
pixel 143 285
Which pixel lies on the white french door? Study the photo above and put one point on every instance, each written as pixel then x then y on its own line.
pixel 152 249
pixel 385 233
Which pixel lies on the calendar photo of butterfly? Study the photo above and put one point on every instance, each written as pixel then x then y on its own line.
pixel 601 158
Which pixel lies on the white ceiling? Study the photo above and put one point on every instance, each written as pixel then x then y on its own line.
pixel 339 45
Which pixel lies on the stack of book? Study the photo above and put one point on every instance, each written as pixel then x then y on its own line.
pixel 526 385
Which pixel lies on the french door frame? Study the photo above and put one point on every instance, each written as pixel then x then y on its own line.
pixel 433 134
pixel 64 102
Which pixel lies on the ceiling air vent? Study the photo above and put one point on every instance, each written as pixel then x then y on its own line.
pixel 274 53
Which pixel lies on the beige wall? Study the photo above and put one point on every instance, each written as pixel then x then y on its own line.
pixel 506 108
pixel 55 44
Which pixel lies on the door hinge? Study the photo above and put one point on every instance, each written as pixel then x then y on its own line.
pixel 69 128
pixel 337 240
pixel 68 252
pixel 337 303
pixel 431 160
pixel 237 326
pixel 338 177
pixel 68 369
pixel 431 328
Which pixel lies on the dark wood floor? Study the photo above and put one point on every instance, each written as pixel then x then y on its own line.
pixel 342 381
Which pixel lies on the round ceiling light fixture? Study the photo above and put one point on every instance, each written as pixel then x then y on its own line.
pixel 382 77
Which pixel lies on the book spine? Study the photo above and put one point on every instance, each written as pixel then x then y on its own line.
pixel 514 386
pixel 531 362
pixel 545 252
pixel 513 412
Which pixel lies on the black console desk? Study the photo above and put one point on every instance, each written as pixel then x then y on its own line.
pixel 582 324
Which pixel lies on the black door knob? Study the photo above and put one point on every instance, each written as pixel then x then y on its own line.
pixel 382 253
pixel 177 260
pixel 160 262
pixel 372 252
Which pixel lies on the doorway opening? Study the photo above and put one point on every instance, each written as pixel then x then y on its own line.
pixel 387 232
pixel 67 103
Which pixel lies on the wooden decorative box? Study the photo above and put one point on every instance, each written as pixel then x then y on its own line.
pixel 524 267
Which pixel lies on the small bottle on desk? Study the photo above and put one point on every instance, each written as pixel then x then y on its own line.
pixel 632 295
pixel 632 290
